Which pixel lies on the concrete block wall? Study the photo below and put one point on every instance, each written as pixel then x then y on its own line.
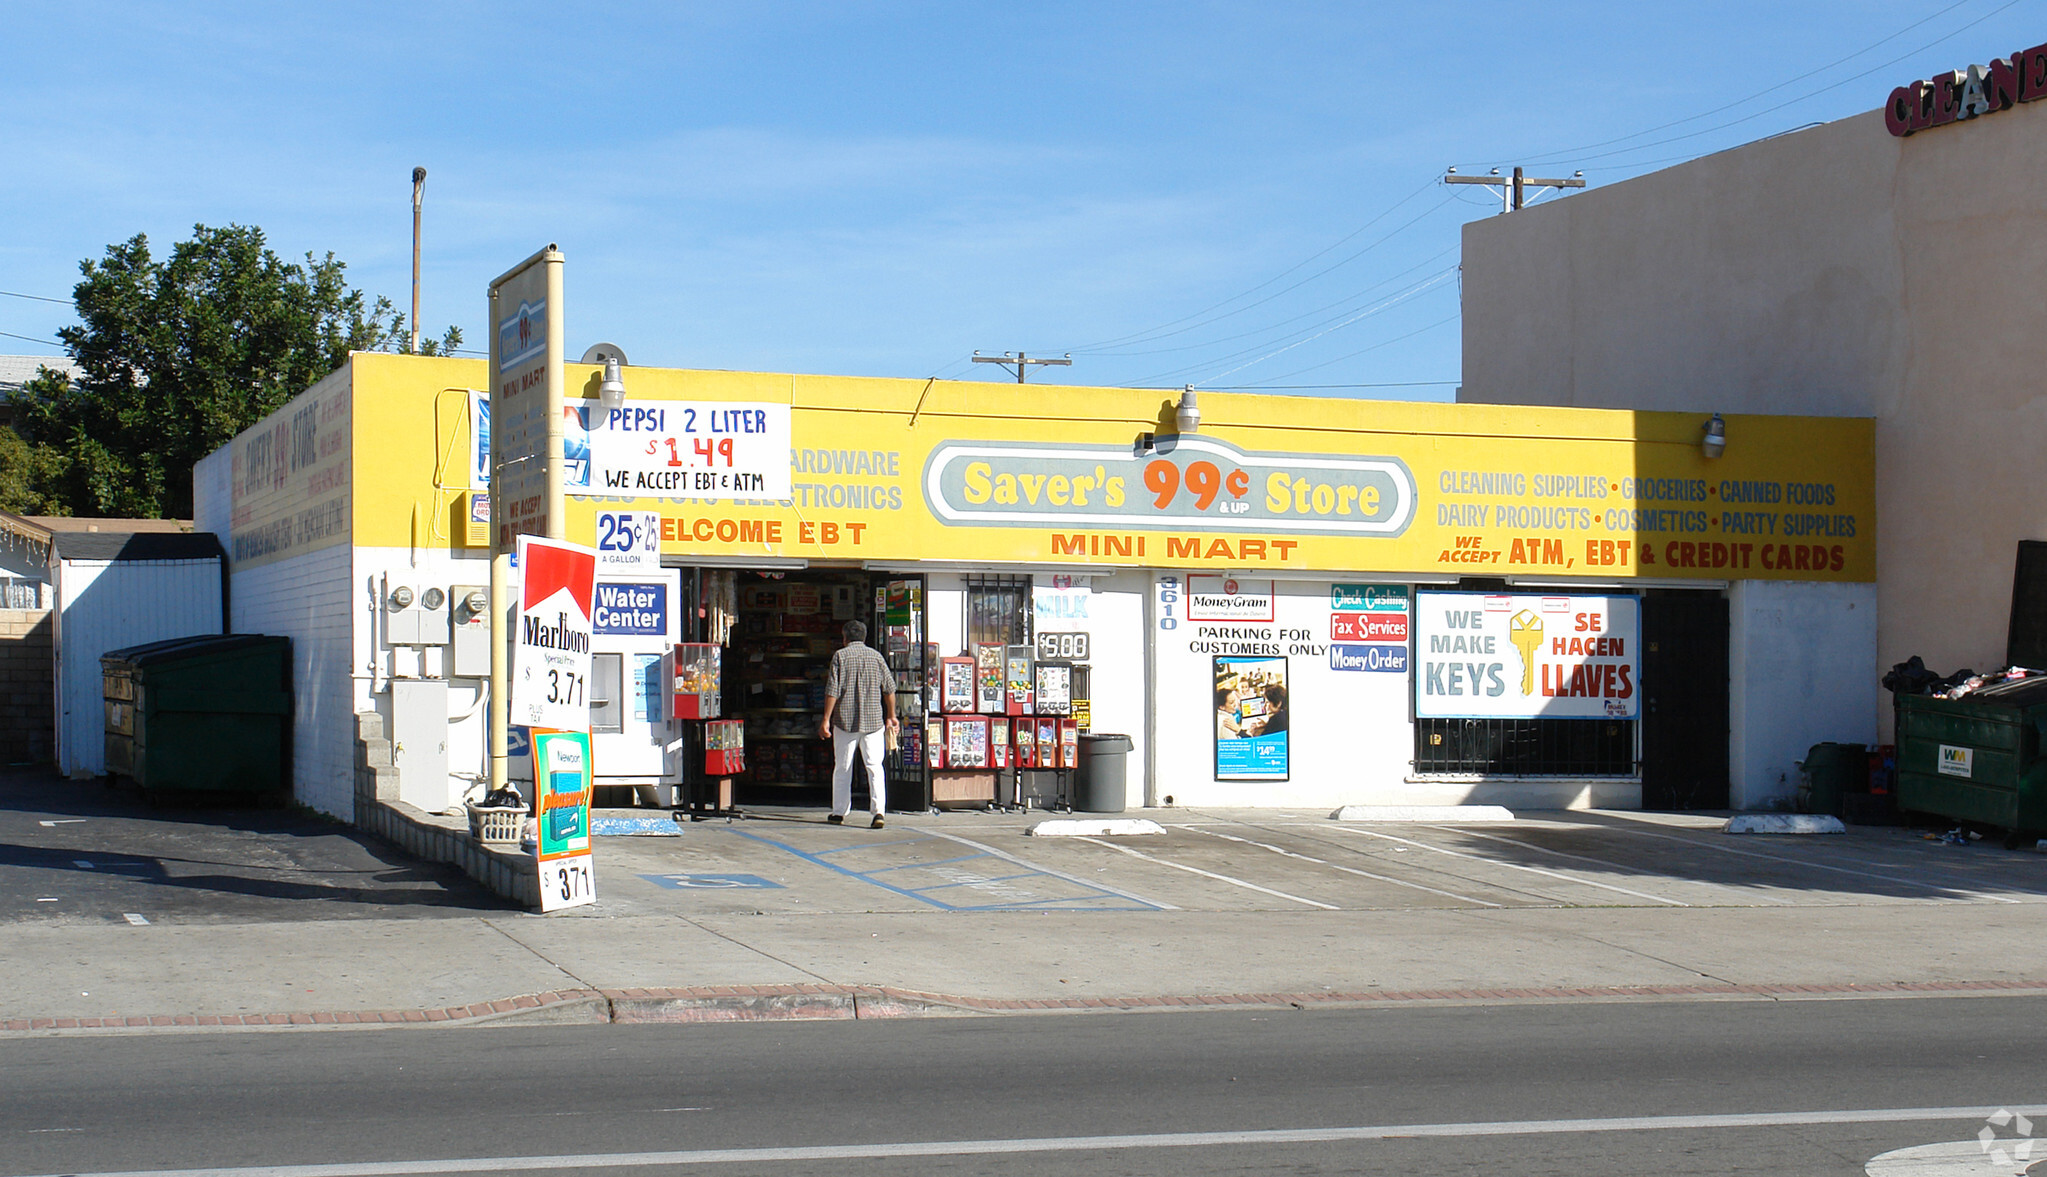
pixel 508 871
pixel 27 686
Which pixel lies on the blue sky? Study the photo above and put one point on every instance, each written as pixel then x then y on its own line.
pixel 1229 195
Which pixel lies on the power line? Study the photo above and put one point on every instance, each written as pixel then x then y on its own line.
pixel 1545 156
pixel 1813 93
pixel 1374 309
pixel 1305 335
pixel 1354 295
pixel 33 339
pixel 37 297
pixel 1139 336
pixel 1374 347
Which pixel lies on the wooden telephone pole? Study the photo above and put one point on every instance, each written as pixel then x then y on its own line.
pixel 1513 187
pixel 1023 362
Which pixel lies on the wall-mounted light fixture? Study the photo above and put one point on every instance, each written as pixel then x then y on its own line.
pixel 1713 442
pixel 611 389
pixel 1186 419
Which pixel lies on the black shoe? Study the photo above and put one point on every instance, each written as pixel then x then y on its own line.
pixel 837 819
pixel 878 823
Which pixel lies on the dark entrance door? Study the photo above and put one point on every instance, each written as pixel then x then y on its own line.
pixel 1684 700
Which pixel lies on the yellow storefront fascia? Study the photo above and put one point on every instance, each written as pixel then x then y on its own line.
pixel 1495 490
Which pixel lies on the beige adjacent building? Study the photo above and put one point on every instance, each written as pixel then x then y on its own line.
pixel 1836 270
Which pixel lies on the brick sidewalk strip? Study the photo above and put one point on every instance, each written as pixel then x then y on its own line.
pixel 810 1002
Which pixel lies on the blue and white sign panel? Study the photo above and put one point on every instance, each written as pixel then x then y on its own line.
pixel 626 607
pixel 628 542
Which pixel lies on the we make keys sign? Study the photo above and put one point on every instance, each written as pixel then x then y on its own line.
pixel 551 644
pixel 1512 656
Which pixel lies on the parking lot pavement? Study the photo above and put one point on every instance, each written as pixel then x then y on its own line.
pixel 1257 860
pixel 75 852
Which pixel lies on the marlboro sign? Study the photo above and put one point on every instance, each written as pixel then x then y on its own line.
pixel 551 644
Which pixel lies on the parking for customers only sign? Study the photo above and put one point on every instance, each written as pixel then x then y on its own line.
pixel 1510 656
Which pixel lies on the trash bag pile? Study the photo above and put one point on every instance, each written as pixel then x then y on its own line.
pixel 1911 677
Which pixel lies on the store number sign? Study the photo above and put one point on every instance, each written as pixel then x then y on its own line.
pixel 1070 646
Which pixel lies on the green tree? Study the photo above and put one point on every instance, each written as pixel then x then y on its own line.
pixel 24 471
pixel 179 355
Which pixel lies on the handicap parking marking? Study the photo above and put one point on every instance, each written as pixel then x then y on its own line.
pixel 1030 888
pixel 713 882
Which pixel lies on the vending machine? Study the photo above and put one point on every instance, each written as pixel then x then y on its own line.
pixel 635 620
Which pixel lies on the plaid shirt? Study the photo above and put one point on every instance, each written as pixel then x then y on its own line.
pixel 859 679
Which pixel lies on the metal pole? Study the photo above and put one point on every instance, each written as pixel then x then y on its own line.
pixel 499 732
pixel 557 400
pixel 418 189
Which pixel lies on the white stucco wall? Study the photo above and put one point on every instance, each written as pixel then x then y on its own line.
pixel 306 599
pixel 1801 671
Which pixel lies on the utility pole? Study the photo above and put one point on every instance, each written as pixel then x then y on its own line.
pixel 1513 188
pixel 1023 362
pixel 418 190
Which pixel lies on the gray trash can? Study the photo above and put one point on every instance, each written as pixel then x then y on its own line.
pixel 1100 785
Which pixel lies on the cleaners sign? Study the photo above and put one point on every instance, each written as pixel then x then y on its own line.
pixel 1507 656
pixel 551 644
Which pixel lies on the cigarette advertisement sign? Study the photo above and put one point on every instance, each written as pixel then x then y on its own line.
pixel 551 646
pixel 1512 656
pixel 561 774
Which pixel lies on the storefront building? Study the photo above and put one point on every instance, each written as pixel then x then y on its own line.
pixel 1864 268
pixel 1301 602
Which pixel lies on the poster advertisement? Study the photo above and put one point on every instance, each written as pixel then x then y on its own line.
pixel 1251 719
pixel 561 773
pixel 479 440
pixel 1514 656
pixel 551 646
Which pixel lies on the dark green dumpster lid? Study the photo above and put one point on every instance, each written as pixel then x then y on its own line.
pixel 179 649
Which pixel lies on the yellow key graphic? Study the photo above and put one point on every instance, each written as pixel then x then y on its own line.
pixel 1524 629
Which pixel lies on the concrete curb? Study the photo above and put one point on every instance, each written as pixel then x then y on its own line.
pixel 1423 813
pixel 1784 823
pixel 1080 827
pixel 767 1003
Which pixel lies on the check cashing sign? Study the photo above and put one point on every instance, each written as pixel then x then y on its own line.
pixel 1513 656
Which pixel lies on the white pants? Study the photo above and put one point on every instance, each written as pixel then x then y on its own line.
pixel 872 746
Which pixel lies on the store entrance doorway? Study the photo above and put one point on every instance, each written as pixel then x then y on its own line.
pixel 1684 700
pixel 779 629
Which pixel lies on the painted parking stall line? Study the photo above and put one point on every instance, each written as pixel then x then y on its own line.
pixel 1821 866
pixel 1747 898
pixel 1003 882
pixel 1534 870
pixel 1349 870
pixel 1209 874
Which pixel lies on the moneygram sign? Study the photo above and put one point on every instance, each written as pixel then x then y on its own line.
pixel 1186 483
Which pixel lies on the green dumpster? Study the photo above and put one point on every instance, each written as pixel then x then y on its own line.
pixel 1977 758
pixel 1834 771
pixel 209 713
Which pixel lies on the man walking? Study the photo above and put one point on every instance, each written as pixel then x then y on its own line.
pixel 859 709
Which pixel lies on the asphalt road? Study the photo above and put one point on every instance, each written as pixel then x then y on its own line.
pixel 1582 1090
